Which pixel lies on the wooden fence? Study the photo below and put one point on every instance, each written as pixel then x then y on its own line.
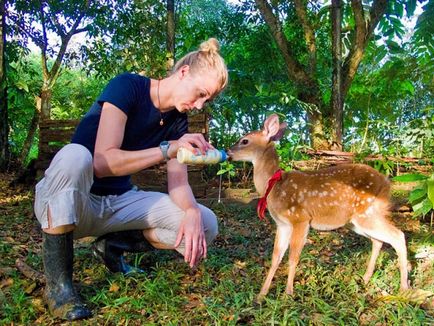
pixel 54 134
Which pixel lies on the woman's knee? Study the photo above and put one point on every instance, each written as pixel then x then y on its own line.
pixel 74 161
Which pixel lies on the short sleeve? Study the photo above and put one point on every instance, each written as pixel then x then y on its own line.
pixel 122 92
pixel 180 127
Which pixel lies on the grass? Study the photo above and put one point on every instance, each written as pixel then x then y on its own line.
pixel 328 285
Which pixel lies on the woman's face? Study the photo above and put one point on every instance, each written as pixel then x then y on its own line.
pixel 195 89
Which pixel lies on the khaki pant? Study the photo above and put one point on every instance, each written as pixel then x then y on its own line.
pixel 65 188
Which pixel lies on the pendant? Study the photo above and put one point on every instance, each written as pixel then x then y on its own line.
pixel 161 122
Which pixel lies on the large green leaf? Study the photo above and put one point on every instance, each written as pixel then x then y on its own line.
pixel 423 207
pixel 417 194
pixel 430 190
pixel 410 177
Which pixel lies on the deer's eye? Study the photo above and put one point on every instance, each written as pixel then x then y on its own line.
pixel 244 141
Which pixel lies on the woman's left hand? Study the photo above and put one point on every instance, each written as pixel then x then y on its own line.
pixel 192 142
pixel 191 230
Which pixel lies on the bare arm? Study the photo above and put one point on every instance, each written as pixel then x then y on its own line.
pixel 110 160
pixel 191 228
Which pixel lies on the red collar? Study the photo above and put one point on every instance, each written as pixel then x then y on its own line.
pixel 262 203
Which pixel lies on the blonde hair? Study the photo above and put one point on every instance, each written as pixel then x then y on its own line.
pixel 206 58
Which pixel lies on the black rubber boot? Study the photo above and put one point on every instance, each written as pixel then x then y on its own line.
pixel 110 249
pixel 60 295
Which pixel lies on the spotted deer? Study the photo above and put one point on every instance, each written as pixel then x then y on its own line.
pixel 325 199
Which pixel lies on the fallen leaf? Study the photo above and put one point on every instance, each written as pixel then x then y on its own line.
pixel 428 304
pixel 6 282
pixel 38 303
pixel 30 288
pixel 240 264
pixel 416 296
pixel 114 287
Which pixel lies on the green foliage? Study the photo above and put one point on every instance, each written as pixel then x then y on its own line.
pixel 421 197
pixel 423 41
pixel 127 36
pixel 38 21
pixel 389 108
pixel 74 94
pixel 384 166
pixel 227 168
pixel 72 97
pixel 24 81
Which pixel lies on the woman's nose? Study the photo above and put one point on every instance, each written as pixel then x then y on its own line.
pixel 199 104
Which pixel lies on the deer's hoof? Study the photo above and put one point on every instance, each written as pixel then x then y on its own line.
pixel 260 298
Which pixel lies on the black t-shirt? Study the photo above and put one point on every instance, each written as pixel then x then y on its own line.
pixel 131 94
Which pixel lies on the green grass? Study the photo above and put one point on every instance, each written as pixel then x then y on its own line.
pixel 222 291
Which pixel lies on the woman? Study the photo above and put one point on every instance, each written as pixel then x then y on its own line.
pixel 136 123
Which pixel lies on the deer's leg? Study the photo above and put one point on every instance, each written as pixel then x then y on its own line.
pixel 298 239
pixel 380 229
pixel 281 243
pixel 376 247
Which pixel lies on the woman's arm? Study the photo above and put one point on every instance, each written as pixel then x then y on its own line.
pixel 109 159
pixel 191 228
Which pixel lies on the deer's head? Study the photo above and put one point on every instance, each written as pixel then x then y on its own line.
pixel 253 144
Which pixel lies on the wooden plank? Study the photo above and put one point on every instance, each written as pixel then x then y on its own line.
pixel 62 135
pixel 54 134
pixel 58 124
pixel 198 117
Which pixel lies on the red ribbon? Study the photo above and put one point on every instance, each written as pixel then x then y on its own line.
pixel 262 203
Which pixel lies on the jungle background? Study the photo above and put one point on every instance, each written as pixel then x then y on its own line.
pixel 353 79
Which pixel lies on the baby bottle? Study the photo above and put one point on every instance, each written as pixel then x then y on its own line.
pixel 212 156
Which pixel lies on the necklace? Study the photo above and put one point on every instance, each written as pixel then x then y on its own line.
pixel 159 103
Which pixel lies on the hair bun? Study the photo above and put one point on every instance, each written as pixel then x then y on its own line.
pixel 211 45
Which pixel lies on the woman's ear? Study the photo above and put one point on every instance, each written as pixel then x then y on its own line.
pixel 183 71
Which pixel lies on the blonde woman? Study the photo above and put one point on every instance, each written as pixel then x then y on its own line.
pixel 136 122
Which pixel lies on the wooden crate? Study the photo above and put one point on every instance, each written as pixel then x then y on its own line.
pixel 54 134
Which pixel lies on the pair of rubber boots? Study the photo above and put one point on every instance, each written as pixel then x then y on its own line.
pixel 58 255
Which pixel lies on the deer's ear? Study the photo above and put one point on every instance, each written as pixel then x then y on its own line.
pixel 272 129
pixel 281 132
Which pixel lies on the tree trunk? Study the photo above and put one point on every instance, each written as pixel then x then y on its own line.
pixel 315 119
pixel 304 75
pixel 170 41
pixel 42 103
pixel 29 139
pixel 4 123
pixel 336 102
pixel 45 105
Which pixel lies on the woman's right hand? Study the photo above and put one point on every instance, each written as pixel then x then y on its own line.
pixel 191 142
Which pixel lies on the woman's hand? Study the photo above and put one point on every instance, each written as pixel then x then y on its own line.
pixel 191 230
pixel 192 142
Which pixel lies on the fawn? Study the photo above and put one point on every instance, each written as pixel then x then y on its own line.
pixel 325 199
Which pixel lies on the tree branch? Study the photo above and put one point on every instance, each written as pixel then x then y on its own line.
pixel 309 34
pixel 57 25
pixel 363 32
pixel 81 30
pixel 294 68
pixel 375 14
pixel 64 44
pixel 43 45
